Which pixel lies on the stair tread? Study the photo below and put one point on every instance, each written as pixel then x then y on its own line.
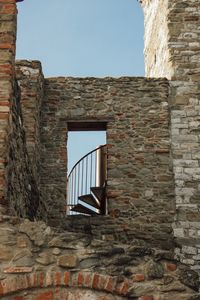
pixel 98 192
pixel 89 199
pixel 83 209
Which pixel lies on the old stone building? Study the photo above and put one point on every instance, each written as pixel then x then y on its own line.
pixel 146 243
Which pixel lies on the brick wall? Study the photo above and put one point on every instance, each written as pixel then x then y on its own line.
pixel 7 55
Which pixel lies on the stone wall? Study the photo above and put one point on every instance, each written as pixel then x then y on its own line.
pixel 172 39
pixel 39 262
pixel 30 80
pixel 140 180
pixel 156 51
pixel 22 189
pixel 182 40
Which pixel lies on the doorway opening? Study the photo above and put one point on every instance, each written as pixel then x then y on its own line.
pixel 87 169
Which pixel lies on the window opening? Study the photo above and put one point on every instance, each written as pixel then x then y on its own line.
pixel 87 170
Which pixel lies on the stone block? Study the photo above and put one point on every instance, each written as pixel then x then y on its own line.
pixel 67 261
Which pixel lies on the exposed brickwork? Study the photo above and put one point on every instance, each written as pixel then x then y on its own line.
pixel 128 254
pixel 30 79
pixel 32 270
pixel 7 55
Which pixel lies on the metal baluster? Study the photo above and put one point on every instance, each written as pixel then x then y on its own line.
pixel 86 175
pixel 68 192
pixel 82 177
pixel 91 170
pixel 95 168
pixel 72 195
pixel 75 187
pixel 78 179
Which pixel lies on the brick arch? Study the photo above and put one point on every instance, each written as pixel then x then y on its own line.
pixel 49 282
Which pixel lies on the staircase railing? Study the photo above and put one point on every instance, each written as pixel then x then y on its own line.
pixel 86 175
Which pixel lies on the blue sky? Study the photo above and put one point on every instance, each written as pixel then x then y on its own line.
pixel 82 38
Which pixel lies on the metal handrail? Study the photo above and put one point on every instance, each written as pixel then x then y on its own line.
pixel 89 171
pixel 85 157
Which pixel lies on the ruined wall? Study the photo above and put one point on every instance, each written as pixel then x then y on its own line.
pixel 7 55
pixel 22 189
pixel 39 262
pixel 140 182
pixel 172 39
pixel 30 80
pixel 18 187
pixel 156 39
pixel 180 21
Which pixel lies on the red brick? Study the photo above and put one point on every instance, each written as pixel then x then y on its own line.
pixel 4 103
pixel 138 277
pixel 45 296
pixel 18 298
pixel 57 278
pixel 9 9
pixel 124 288
pixel 4 116
pixel 88 280
pixel 95 281
pixel 41 279
pixel 7 1
pixel 1 289
pixel 102 282
pixel 18 270
pixel 109 285
pixel 80 279
pixel 66 278
pixel 35 279
pixel 171 266
pixel 146 297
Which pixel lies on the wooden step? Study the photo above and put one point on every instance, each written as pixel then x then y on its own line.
pixel 99 193
pixel 79 208
pixel 89 199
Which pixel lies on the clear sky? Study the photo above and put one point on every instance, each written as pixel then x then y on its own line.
pixel 82 38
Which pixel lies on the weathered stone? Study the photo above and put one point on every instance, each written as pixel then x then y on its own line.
pixel 67 261
pixel 45 258
pixel 6 252
pixel 90 263
pixel 23 258
pixel 56 251
pixel 72 241
pixel 35 231
pixel 138 290
pixel 139 251
pixel 154 270
pixel 190 278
